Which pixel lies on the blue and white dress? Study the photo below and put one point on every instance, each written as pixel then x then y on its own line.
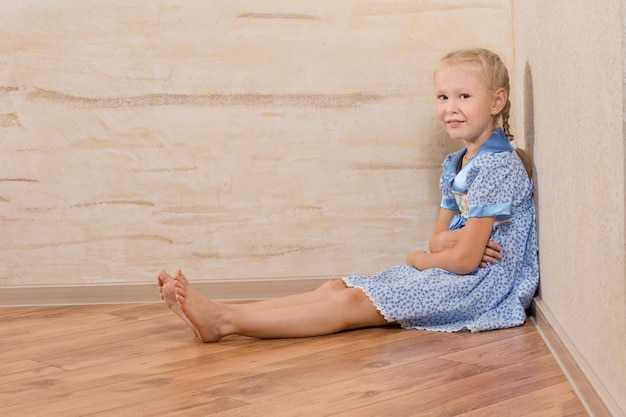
pixel 493 183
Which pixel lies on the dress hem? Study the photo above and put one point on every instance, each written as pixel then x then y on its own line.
pixel 464 328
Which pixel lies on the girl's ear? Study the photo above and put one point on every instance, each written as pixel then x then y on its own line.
pixel 499 101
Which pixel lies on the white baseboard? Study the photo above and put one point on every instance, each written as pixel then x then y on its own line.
pixel 148 292
pixel 597 401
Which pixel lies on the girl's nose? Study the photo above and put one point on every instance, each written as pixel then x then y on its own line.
pixel 451 107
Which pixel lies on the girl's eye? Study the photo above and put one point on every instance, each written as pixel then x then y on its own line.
pixel 464 96
pixel 442 97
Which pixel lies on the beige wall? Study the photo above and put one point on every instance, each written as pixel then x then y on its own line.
pixel 569 63
pixel 236 140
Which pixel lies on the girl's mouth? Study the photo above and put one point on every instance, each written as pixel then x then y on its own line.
pixel 454 123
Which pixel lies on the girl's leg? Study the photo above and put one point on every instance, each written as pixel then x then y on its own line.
pixel 343 308
pixel 319 294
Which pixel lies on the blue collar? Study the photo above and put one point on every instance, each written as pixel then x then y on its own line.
pixel 497 142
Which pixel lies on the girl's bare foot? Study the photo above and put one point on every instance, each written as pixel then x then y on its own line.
pixel 207 317
pixel 167 288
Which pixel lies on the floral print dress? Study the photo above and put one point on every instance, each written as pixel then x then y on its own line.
pixel 493 183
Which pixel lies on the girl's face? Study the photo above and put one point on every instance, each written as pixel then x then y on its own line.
pixel 465 107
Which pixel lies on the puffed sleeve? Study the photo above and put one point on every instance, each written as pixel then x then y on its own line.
pixel 491 186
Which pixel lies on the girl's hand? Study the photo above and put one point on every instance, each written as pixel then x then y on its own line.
pixel 493 253
pixel 412 259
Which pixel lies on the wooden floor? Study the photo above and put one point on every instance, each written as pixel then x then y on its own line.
pixel 140 360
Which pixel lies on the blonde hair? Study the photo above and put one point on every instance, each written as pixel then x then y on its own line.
pixel 495 75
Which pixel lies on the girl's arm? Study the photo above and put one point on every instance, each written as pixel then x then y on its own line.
pixel 443 238
pixel 466 255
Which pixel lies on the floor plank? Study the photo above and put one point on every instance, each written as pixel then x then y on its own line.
pixel 141 360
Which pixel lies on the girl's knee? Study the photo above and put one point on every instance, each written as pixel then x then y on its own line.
pixel 337 290
pixel 333 285
pixel 338 282
pixel 351 296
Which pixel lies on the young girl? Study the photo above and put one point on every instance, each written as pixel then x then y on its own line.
pixel 482 269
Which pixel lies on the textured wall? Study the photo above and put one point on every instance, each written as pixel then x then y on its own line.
pixel 234 139
pixel 571 56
